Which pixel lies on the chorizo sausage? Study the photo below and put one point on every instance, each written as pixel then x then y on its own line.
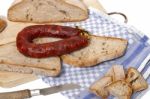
pixel 72 40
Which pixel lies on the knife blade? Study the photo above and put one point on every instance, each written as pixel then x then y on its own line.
pixel 22 94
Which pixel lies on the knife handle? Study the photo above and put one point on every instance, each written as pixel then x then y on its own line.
pixel 16 95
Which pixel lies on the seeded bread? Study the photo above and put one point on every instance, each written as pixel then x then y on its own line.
pixel 40 11
pixel 99 50
pixel 12 60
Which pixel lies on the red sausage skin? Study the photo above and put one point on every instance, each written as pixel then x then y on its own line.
pixel 72 41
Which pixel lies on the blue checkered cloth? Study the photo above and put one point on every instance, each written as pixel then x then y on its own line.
pixel 102 25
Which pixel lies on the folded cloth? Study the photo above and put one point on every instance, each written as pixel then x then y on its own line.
pixel 102 25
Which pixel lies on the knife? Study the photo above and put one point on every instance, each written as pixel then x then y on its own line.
pixel 22 94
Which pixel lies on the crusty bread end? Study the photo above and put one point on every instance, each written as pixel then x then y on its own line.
pixel 41 11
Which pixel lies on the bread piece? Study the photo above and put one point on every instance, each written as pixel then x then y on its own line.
pixel 40 11
pixel 110 72
pixel 116 72
pixel 120 89
pixel 98 87
pixel 12 60
pixel 99 50
pixel 3 24
pixel 136 79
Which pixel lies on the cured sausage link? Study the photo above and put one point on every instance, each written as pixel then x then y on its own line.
pixel 72 40
pixel 35 31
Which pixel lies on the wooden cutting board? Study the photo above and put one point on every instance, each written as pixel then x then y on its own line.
pixel 10 79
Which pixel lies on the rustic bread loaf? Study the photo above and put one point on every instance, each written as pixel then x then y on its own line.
pixel 40 11
pixel 99 50
pixel 12 60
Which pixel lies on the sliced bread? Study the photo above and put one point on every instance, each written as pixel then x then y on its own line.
pixel 99 50
pixel 12 60
pixel 40 11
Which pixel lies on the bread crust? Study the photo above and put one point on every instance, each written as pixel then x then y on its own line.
pixel 98 87
pixel 76 62
pixel 75 3
pixel 3 24
pixel 120 88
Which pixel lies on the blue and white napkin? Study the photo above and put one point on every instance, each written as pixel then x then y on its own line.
pixel 102 25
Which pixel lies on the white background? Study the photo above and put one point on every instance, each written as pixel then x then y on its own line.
pixel 138 14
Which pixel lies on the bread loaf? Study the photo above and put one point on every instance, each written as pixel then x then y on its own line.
pixel 40 11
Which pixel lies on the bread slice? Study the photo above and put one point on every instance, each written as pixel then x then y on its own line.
pixel 12 60
pixel 3 24
pixel 40 11
pixel 136 79
pixel 99 50
pixel 120 89
pixel 116 72
pixel 98 87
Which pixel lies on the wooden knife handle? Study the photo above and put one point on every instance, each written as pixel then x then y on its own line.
pixel 16 95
